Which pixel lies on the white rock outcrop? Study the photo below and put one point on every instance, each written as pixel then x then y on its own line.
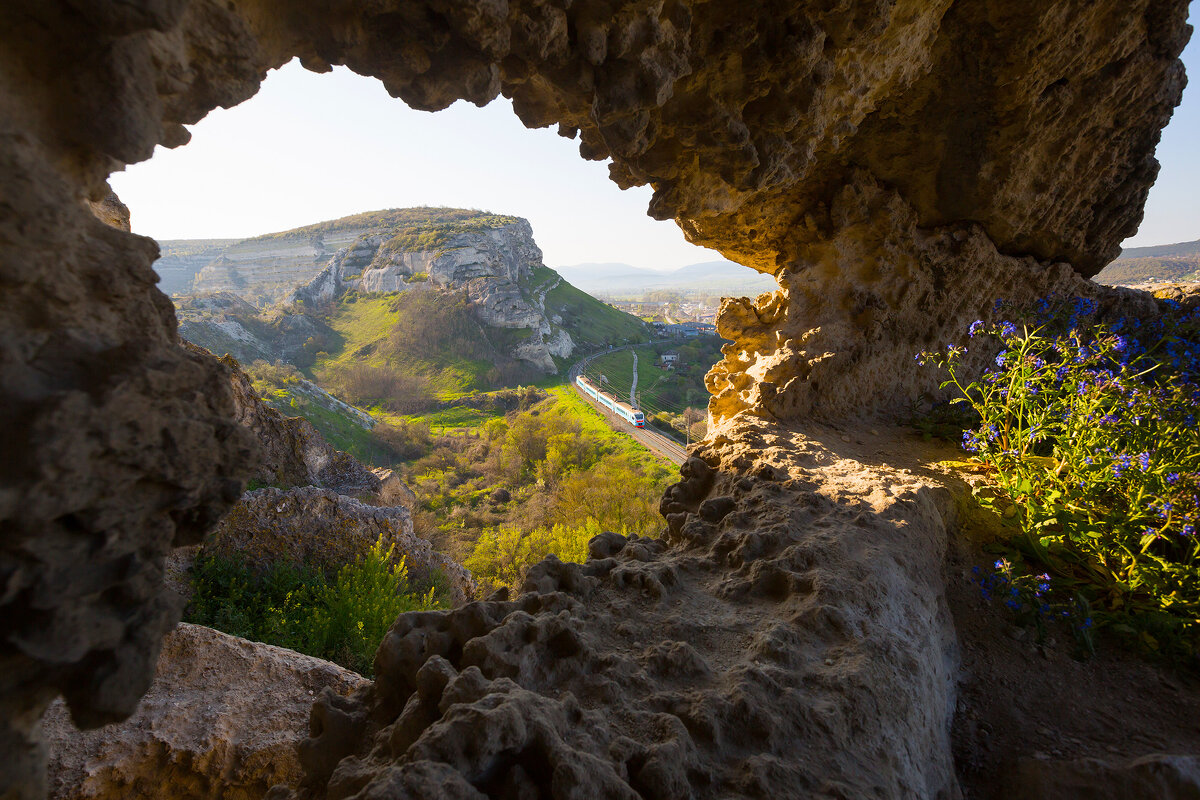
pixel 493 266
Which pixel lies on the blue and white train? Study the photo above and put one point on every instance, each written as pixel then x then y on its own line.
pixel 623 410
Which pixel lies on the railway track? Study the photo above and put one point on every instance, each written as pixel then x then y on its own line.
pixel 664 446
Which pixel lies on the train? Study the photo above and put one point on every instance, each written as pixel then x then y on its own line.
pixel 623 410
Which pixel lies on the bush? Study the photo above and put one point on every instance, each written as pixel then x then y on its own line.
pixel 342 619
pixel 1090 432
pixel 503 554
pixel 405 440
pixel 394 389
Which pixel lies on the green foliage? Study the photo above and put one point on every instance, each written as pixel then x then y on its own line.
pixel 590 322
pixel 502 554
pixel 280 387
pixel 1091 435
pixel 342 619
pixel 555 463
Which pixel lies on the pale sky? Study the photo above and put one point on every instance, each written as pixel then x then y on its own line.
pixel 312 147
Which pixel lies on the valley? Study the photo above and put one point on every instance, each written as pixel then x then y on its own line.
pixel 435 344
pixel 1161 264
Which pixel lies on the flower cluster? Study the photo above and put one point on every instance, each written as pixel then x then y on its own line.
pixel 1091 429
pixel 1034 601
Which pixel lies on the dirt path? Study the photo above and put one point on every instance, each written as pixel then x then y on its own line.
pixel 633 388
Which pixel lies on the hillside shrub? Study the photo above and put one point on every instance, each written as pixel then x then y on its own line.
pixel 503 554
pixel 1090 434
pixel 392 388
pixel 342 618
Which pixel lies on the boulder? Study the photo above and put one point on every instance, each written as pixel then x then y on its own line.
pixel 221 721
pixel 393 491
pixel 319 527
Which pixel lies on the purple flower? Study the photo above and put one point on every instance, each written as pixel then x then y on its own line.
pixel 1008 329
pixel 1120 465
pixel 1172 478
pixel 1001 357
pixel 1144 461
pixel 976 327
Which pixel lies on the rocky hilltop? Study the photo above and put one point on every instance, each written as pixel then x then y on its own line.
pixel 492 259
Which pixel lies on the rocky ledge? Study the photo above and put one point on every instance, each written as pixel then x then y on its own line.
pixel 222 719
pixel 319 527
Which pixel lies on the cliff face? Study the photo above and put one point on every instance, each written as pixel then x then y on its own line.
pixel 894 164
pixel 266 269
pixel 494 265
pixel 491 259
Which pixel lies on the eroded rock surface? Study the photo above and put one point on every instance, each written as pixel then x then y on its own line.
pixel 309 525
pixel 1154 777
pixel 221 721
pixel 294 452
pixel 789 638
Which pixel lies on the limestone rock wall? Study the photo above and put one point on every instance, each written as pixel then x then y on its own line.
pixel 838 339
pixel 222 719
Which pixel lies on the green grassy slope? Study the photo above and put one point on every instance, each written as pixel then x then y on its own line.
pixel 590 322
pixel 470 361
pixel 661 389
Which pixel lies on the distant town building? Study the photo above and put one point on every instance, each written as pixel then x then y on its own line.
pixel 669 359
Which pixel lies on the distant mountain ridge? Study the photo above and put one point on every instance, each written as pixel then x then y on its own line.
pixel 1164 263
pixel 1161 250
pixel 707 277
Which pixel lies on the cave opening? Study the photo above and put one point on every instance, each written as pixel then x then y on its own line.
pixel 784 135
pixel 381 273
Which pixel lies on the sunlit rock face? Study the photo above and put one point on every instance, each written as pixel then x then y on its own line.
pixel 897 164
